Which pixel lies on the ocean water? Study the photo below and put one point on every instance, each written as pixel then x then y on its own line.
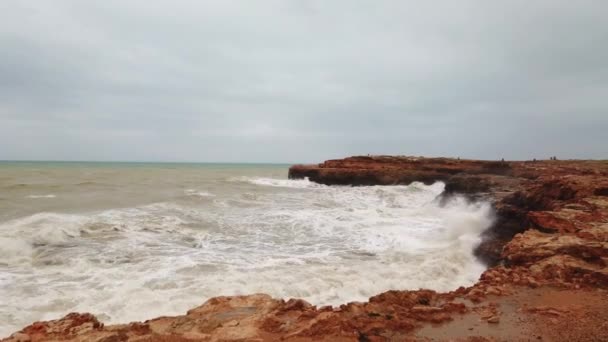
pixel 132 241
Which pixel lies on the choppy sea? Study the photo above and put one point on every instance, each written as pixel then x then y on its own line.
pixel 132 241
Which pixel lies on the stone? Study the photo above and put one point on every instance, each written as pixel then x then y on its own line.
pixel 20 337
pixel 493 319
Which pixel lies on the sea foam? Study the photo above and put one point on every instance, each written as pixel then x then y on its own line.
pixel 41 196
pixel 287 238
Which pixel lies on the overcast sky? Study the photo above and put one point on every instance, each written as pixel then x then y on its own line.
pixel 302 81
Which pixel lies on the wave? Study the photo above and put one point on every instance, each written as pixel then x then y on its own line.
pixel 196 193
pixel 41 196
pixel 20 186
pixel 88 183
pixel 282 183
pixel 17 186
pixel 49 229
pixel 14 250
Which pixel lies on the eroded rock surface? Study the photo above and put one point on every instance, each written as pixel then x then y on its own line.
pixel 548 252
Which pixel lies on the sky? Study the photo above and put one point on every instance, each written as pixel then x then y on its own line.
pixel 302 81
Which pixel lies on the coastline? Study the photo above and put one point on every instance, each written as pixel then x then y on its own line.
pixel 549 242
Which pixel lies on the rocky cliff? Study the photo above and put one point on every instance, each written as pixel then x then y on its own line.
pixel 547 276
pixel 549 196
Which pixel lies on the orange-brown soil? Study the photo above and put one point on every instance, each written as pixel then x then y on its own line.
pixel 547 280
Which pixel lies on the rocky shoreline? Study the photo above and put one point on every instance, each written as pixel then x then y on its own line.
pixel 547 278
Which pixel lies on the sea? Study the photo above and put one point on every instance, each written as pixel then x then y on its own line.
pixel 133 241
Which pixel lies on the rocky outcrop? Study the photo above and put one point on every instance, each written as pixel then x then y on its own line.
pixel 548 252
pixel 387 170
pixel 544 195
pixel 546 210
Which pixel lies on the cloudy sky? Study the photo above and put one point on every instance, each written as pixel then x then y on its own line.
pixel 302 81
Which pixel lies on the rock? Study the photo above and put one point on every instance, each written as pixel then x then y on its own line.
pixel 493 319
pixel 19 337
pixel 492 291
pixel 533 283
pixel 533 245
pixel 426 309
pixel 556 196
pixel 549 221
pixel 563 269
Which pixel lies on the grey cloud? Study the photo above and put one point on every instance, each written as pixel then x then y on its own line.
pixel 291 81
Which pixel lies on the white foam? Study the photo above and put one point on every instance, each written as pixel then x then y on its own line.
pixel 41 196
pixel 14 251
pixel 197 193
pixel 284 183
pixel 327 245
pixel 44 228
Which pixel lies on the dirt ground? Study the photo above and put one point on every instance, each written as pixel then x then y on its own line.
pixel 542 314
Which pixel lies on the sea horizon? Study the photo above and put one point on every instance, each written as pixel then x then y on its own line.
pixel 140 162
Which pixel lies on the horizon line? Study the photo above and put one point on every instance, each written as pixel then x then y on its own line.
pixel 137 161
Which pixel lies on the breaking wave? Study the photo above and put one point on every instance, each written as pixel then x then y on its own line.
pixel 41 196
pixel 196 193
pixel 283 183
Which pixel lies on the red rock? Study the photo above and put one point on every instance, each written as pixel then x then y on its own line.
pixel 426 309
pixel 493 319
pixel 549 221
pixel 492 291
pixel 20 337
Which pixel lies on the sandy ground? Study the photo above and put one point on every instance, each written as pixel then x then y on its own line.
pixel 542 314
